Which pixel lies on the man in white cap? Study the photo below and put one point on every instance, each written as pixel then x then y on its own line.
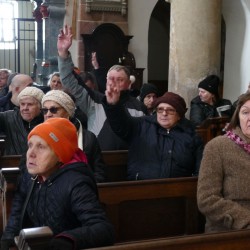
pixel 17 123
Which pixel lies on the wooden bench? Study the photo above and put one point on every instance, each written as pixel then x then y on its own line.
pixel 141 209
pixel 2 144
pixel 204 133
pixel 116 165
pixel 231 240
pixel 152 208
pixel 9 161
pixel 216 125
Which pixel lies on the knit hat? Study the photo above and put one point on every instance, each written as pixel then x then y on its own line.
pixel 60 134
pixel 62 99
pixel 32 92
pixel 148 88
pixel 174 100
pixel 211 84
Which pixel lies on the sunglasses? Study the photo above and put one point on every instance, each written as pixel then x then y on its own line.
pixel 52 110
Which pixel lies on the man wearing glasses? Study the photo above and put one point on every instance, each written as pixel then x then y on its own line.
pixel 164 145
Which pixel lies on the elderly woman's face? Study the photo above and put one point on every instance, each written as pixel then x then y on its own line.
pixel 205 96
pixel 244 117
pixel 167 116
pixel 55 83
pixel 53 109
pixel 29 108
pixel 41 159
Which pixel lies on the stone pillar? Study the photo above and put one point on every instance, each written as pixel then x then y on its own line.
pixel 195 44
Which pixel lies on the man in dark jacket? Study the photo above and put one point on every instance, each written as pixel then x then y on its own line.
pixel 90 101
pixel 164 145
pixel 17 123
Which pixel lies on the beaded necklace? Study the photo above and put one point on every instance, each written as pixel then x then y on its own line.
pixel 235 138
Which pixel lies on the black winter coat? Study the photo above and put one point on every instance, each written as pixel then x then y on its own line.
pixel 67 202
pixel 155 152
pixel 93 152
pixel 200 111
pixel 16 131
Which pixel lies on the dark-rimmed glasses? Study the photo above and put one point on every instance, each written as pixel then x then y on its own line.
pixel 169 111
pixel 52 110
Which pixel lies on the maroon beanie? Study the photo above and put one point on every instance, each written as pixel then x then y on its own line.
pixel 174 100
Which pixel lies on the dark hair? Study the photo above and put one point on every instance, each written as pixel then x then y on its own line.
pixel 235 121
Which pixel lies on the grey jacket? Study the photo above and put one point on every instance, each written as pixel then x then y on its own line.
pixel 91 105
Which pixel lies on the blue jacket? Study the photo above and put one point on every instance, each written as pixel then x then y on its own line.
pixel 155 152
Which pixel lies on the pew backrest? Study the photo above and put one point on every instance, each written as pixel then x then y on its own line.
pixel 232 240
pixel 152 208
pixel 9 161
pixel 116 165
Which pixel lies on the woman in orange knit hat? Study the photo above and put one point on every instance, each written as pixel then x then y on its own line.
pixel 59 192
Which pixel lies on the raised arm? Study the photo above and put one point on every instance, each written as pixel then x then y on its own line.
pixel 64 41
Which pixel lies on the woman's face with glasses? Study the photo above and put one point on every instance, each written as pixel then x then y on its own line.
pixel 53 109
pixel 167 116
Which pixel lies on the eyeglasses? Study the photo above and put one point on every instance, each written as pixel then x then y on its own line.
pixel 169 111
pixel 52 110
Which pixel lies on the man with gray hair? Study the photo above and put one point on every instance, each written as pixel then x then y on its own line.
pixel 17 123
pixel 18 83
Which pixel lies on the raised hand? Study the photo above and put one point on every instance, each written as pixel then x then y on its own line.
pixel 64 41
pixel 112 92
pixel 94 60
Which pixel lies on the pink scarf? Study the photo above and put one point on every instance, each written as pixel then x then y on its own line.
pixel 79 156
pixel 235 138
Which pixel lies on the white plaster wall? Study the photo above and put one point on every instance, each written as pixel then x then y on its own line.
pixel 237 51
pixel 139 12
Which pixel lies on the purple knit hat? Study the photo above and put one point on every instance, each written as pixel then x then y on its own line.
pixel 174 100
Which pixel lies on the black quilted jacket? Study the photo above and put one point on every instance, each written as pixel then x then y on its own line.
pixel 67 202
pixel 16 131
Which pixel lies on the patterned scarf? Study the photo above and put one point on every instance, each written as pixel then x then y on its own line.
pixel 235 138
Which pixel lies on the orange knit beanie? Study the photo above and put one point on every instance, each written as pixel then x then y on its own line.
pixel 60 134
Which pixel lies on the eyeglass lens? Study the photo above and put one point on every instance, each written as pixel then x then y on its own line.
pixel 52 110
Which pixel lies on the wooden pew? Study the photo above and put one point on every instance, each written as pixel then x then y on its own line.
pixel 8 180
pixel 216 125
pixel 152 208
pixel 231 240
pixel 142 209
pixel 9 161
pixel 204 133
pixel 2 144
pixel 116 165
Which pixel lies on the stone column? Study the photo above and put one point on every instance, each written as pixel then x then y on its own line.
pixel 195 44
